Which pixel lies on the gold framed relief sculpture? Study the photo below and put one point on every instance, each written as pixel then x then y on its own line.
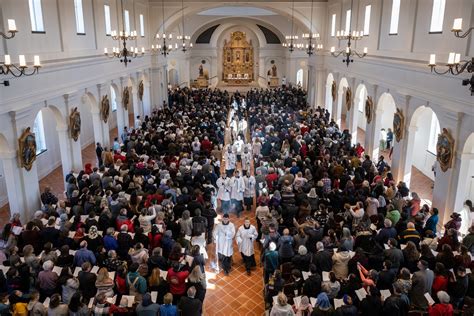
pixel 398 124
pixel 105 108
pixel 140 90
pixel 27 149
pixel 126 98
pixel 369 107
pixel 75 124
pixel 445 150
pixel 348 99
pixel 333 90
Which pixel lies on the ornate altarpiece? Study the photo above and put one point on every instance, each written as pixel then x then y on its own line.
pixel 238 59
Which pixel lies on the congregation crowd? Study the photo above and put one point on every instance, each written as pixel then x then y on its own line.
pixel 337 234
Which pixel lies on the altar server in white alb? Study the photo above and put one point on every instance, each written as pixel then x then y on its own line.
pixel 246 236
pixel 230 161
pixel 238 147
pixel 223 192
pixel 246 159
pixel 249 192
pixel 223 237
pixel 237 193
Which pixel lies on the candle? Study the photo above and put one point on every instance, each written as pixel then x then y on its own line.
pixel 365 50
pixel 170 36
pixel 348 50
pixel 432 60
pixel 22 60
pixel 457 58
pixel 143 50
pixel 158 36
pixel 333 49
pixel 152 46
pixel 451 58
pixel 191 45
pixel 105 51
pixel 170 47
pixel 136 50
pixel 36 61
pixel 11 25
pixel 338 33
pixel 8 60
pixel 457 25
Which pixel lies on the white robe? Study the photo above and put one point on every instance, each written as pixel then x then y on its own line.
pixel 238 188
pixel 249 186
pixel 467 220
pixel 246 160
pixel 245 239
pixel 238 147
pixel 223 189
pixel 230 161
pixel 223 237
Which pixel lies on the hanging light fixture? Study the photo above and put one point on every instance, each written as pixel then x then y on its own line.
pixel 310 46
pixel 290 39
pixel 164 49
pixel 350 36
pixel 184 37
pixel 456 66
pixel 124 54
pixel 11 29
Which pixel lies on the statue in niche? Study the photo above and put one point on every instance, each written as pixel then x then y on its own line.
pixel 201 71
pixel 274 70
pixel 445 150
pixel 237 56
pixel 75 124
pixel 398 124
pixel 105 108
pixel 125 98
pixel 247 57
pixel 27 149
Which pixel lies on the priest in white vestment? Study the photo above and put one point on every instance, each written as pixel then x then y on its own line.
pixel 223 237
pixel 246 236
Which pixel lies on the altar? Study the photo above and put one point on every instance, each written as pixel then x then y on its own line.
pixel 238 60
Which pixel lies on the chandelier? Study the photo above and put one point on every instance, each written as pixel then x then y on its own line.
pixel 350 36
pixel 8 68
pixel 456 66
pixel 164 48
pixel 183 37
pixel 291 38
pixel 124 54
pixel 11 29
pixel 310 46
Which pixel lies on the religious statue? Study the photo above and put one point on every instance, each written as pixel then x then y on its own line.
pixel 75 124
pixel 369 105
pixel 445 150
pixel 274 70
pixel 398 124
pixel 125 98
pixel 201 71
pixel 348 99
pixel 140 90
pixel 105 108
pixel 333 90
pixel 27 149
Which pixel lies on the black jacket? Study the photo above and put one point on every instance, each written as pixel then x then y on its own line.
pixel 190 306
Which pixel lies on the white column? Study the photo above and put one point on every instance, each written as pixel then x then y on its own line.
pixel 136 103
pixel 120 112
pixel 337 112
pixel 320 87
pixel 97 125
pixel 441 193
pixel 352 122
pixel 402 156
pixel 73 147
pixel 66 157
pixel 328 103
pixel 146 98
pixel 14 186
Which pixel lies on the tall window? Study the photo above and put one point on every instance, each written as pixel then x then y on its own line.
pixel 36 15
pixel 142 26
pixel 434 131
pixel 368 8
pixel 299 77
pixel 38 129
pixel 333 25
pixel 108 25
pixel 113 98
pixel 348 21
pixel 395 17
pixel 437 16
pixel 126 17
pixel 79 17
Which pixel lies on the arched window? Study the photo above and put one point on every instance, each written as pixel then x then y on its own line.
pixel 113 98
pixel 434 132
pixel 38 129
pixel 299 77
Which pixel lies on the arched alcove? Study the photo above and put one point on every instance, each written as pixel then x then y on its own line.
pixel 337 112
pixel 465 187
pixel 384 112
pixel 357 117
pixel 329 100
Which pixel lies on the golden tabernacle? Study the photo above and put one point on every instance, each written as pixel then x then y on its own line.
pixel 238 60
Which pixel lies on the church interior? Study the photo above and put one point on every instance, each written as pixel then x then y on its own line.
pixel 165 89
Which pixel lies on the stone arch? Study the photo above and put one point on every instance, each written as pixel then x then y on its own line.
pixel 91 100
pixel 465 187
pixel 357 113
pixel 329 101
pixel 384 111
pixel 337 112
pixel 4 145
